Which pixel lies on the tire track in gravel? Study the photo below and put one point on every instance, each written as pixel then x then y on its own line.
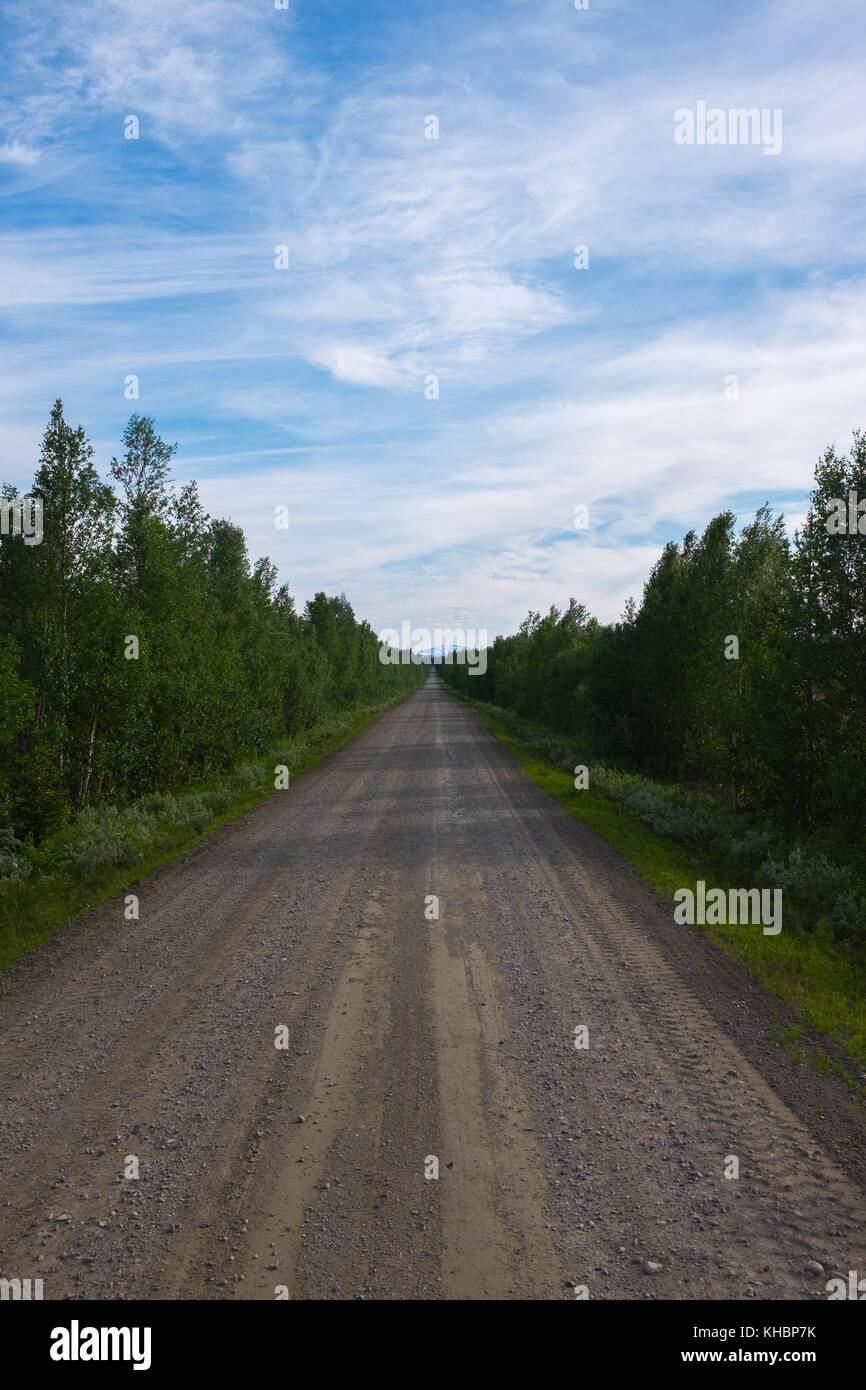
pixel 496 1242
pixel 341 1226
pixel 187 1073
pixel 662 1096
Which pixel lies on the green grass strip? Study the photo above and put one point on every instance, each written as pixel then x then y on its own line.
pixel 821 981
pixel 35 908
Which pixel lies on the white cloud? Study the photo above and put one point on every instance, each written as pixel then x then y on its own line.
pixel 452 257
pixel 359 365
pixel 17 153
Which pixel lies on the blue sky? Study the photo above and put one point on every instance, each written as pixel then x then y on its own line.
pixel 559 387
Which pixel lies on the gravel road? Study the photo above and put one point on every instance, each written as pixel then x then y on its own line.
pixel 411 1042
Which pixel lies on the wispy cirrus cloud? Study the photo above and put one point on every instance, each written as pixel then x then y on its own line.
pixel 451 257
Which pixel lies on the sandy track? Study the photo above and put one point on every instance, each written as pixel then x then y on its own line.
pixel 410 1040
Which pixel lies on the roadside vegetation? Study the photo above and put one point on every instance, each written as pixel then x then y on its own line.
pixel 151 678
pixel 742 762
pixel 820 977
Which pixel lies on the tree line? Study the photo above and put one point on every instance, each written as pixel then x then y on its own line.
pixel 773 721
pixel 141 651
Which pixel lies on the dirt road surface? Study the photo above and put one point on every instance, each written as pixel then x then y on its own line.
pixel 151 1046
